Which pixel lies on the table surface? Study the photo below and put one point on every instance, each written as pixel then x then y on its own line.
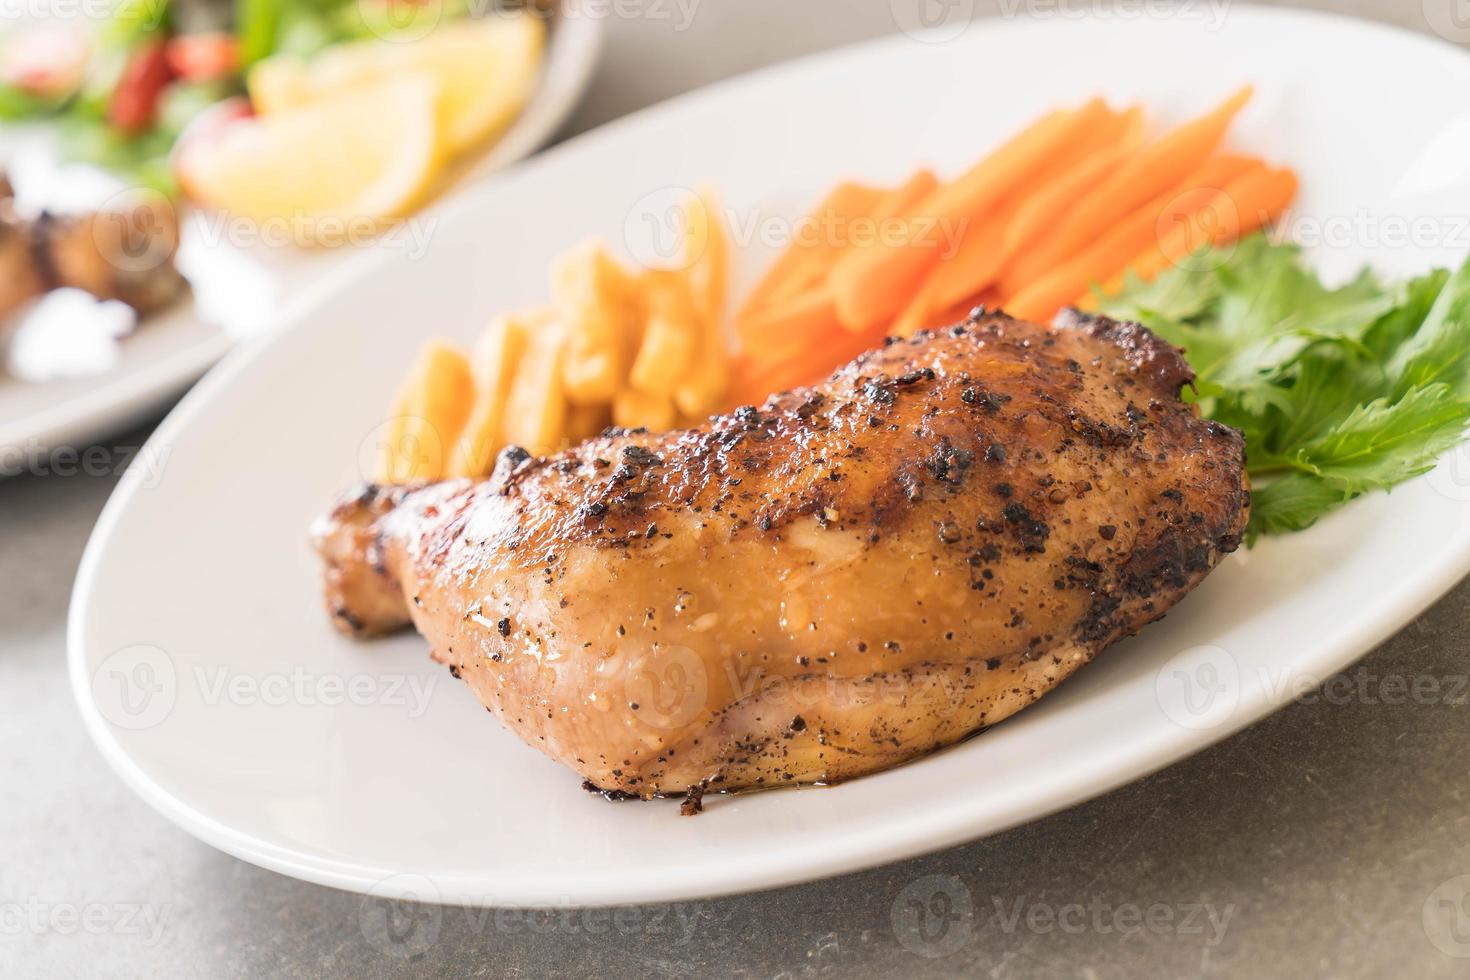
pixel 1327 840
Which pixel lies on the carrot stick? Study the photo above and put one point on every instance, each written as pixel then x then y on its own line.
pixel 1135 233
pixel 903 197
pixel 979 258
pixel 780 323
pixel 1049 204
pixel 756 377
pixel 891 206
pixel 1252 200
pixel 1248 202
pixel 916 315
pixel 1014 163
pixel 976 264
pixel 872 285
pixel 809 242
pixel 1151 171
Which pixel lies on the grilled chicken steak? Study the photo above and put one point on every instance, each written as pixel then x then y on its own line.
pixel 845 578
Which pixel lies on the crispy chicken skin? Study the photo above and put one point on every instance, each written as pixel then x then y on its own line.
pixel 845 578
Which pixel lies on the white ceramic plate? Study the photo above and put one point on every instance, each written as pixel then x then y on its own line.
pixel 211 680
pixel 251 285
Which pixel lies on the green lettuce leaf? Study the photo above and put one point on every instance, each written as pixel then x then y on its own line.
pixel 1338 390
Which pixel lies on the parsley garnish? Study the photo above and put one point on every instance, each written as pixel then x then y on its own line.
pixel 1339 391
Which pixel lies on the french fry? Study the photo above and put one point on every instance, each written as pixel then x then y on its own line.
pixel 701 392
pixel 673 320
pixel 640 410
pixel 707 256
pixel 664 357
pixel 536 407
pixel 592 294
pixel 697 389
pixel 431 409
pixel 586 421
pixel 494 362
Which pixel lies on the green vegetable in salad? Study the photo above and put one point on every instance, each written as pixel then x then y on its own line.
pixel 1339 391
pixel 152 65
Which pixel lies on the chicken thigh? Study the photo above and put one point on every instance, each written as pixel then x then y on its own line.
pixel 842 579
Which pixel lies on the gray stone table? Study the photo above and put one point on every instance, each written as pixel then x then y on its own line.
pixel 1316 843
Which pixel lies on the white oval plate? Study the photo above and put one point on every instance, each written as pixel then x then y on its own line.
pixel 210 678
pixel 170 351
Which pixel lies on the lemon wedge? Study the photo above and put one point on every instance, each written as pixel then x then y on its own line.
pixel 369 153
pixel 486 70
pixel 278 82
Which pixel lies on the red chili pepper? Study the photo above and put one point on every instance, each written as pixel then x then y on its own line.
pixel 134 103
pixel 203 57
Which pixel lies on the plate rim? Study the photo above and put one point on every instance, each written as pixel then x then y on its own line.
pixel 857 850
